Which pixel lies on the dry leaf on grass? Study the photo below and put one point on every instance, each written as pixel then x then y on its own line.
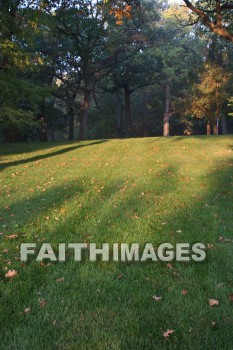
pixel 42 303
pixel 156 298
pixel 210 246
pixel 12 236
pixel 169 266
pixel 28 309
pixel 184 292
pixel 231 297
pixel 11 273
pixel 60 279
pixel 221 239
pixel 168 332
pixel 213 302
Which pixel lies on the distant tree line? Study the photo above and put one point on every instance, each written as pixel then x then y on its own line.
pixel 88 70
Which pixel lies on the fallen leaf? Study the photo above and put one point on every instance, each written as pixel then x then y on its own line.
pixel 231 297
pixel 11 273
pixel 210 246
pixel 60 279
pixel 168 332
pixel 42 303
pixel 156 298
pixel 221 239
pixel 120 276
pixel 136 216
pixel 28 309
pixel 184 292
pixel 169 266
pixel 12 236
pixel 213 302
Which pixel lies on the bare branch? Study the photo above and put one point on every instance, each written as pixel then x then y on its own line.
pixel 215 27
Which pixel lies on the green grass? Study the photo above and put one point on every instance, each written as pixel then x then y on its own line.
pixel 138 190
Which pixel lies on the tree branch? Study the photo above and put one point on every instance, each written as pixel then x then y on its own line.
pixel 217 27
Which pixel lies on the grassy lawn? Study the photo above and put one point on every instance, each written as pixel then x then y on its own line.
pixel 139 190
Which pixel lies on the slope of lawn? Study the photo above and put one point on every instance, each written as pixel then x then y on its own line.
pixel 139 190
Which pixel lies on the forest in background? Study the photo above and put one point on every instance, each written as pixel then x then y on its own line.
pixel 95 69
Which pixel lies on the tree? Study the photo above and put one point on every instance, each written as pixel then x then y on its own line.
pixel 177 62
pixel 20 95
pixel 209 95
pixel 87 55
pixel 215 15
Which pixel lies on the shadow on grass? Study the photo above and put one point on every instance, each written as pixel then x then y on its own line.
pixel 72 229
pixel 111 313
pixel 48 155
pixel 204 138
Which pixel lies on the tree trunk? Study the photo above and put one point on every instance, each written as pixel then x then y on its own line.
pixel 43 130
pixel 128 116
pixel 144 115
pixel 120 114
pixel 71 123
pixel 224 125
pixel 167 111
pixel 52 134
pixel 218 109
pixel 84 115
pixel 215 127
pixel 208 128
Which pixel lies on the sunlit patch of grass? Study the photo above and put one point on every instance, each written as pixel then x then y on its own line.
pixel 139 190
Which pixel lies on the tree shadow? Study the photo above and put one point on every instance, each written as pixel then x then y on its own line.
pixel 119 313
pixel 204 138
pixel 48 155
pixel 45 203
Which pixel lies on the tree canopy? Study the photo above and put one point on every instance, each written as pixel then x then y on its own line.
pixel 84 69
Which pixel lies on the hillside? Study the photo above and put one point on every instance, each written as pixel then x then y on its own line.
pixel 150 190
